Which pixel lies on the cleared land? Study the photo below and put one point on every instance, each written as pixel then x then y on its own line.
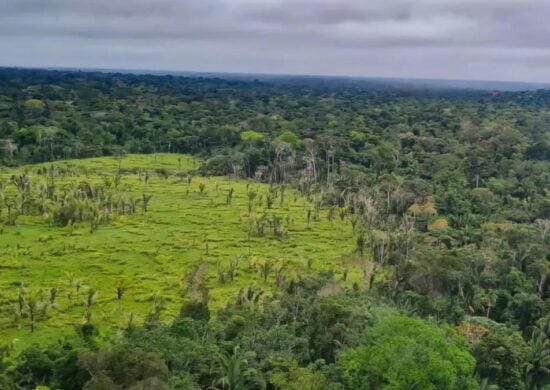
pixel 186 224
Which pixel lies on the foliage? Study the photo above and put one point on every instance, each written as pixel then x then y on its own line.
pixel 402 352
pixel 328 214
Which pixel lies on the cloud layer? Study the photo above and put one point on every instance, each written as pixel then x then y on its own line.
pixel 464 39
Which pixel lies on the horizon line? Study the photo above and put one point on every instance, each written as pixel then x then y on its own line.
pixel 165 72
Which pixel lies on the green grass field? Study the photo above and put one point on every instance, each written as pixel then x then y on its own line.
pixel 152 251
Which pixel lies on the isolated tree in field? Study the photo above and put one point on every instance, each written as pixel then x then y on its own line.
pixel 229 197
pixel 282 191
pixel 188 179
pixel 251 196
pixel 280 274
pixel 202 187
pixel 342 212
pixel 52 296
pixel 34 307
pixel 74 283
pixel 22 294
pixel 153 317
pixel 12 212
pixel 88 304
pixel 121 288
pixel 146 177
pixel 249 296
pixel 22 183
pixel 145 202
pixel 264 267
pixel 269 199
pixel 277 226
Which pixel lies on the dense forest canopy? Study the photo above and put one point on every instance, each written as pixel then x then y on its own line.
pixel 497 143
pixel 447 190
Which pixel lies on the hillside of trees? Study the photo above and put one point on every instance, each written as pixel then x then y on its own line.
pixel 448 193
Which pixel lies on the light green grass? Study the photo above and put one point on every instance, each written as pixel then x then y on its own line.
pixel 153 251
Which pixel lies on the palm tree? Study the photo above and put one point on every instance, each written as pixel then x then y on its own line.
pixel 75 283
pixel 21 301
pixel 120 289
pixel 407 229
pixel 251 197
pixel 202 187
pixel 249 296
pixel 90 301
pixel 537 368
pixel 52 296
pixel 264 268
pixel 145 201
pixel 361 243
pixel 153 317
pixel 236 373
pixel 34 306
pixel 22 182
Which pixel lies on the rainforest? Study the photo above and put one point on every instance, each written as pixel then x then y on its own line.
pixel 224 232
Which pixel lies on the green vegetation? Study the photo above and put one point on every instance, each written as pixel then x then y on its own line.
pixel 118 260
pixel 401 352
pixel 296 233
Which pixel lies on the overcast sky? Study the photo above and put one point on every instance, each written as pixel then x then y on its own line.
pixel 456 39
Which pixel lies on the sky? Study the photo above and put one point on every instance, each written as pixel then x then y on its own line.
pixel 444 39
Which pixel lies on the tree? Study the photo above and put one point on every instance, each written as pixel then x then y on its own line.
pixel 235 369
pixel 121 287
pixel 34 307
pixel 145 202
pixel 295 377
pixel 543 227
pixel 402 352
pixel 5 380
pixel 34 368
pixel 290 138
pixel 23 183
pixel 251 137
pixel 537 367
pixel 9 147
pixel 34 107
pixel 500 356
pixel 124 367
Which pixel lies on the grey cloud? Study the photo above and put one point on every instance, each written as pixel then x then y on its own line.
pixel 476 39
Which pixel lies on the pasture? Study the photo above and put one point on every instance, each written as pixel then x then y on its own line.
pixel 114 271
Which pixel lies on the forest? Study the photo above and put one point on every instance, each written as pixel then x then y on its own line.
pixel 170 232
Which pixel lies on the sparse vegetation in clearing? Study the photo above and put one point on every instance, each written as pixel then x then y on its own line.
pixel 118 271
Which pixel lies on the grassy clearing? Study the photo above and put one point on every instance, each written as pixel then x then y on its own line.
pixel 152 251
